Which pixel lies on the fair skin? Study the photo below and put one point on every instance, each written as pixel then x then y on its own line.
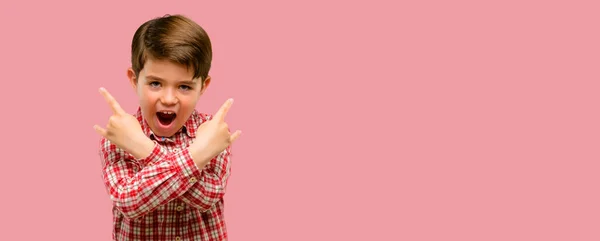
pixel 166 87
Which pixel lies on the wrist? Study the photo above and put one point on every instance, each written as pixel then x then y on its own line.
pixel 144 148
pixel 199 154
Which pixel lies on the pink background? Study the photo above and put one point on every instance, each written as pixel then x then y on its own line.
pixel 373 120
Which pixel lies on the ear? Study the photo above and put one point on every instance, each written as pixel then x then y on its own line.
pixel 205 85
pixel 132 78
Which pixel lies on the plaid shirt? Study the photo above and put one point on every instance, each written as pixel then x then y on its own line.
pixel 165 196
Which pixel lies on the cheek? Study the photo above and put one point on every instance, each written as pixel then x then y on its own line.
pixel 185 102
pixel 148 98
pixel 188 101
pixel 150 95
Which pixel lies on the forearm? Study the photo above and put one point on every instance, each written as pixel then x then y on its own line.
pixel 138 187
pixel 212 184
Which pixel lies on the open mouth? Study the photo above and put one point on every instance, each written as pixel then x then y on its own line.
pixel 166 117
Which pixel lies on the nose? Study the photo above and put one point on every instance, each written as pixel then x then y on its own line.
pixel 169 98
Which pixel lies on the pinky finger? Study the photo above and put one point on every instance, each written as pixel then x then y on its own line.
pixel 234 136
pixel 100 130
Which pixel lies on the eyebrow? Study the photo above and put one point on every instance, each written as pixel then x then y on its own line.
pixel 156 78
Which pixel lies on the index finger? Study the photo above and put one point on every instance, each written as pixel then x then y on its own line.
pixel 220 115
pixel 114 105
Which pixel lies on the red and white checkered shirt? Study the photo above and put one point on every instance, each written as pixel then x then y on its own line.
pixel 165 196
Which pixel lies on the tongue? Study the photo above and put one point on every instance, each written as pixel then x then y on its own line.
pixel 165 119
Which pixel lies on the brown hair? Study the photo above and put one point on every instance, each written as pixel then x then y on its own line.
pixel 175 38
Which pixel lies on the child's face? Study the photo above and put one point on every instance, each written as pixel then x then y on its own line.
pixel 167 94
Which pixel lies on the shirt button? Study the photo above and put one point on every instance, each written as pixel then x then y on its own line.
pixel 193 180
pixel 177 238
pixel 179 208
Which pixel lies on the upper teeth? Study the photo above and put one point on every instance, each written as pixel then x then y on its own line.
pixel 168 112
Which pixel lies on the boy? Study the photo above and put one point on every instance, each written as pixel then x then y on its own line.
pixel 166 167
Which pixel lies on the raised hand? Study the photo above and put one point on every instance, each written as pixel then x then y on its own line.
pixel 122 129
pixel 213 136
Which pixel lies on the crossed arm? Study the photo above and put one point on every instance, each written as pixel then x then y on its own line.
pixel 138 186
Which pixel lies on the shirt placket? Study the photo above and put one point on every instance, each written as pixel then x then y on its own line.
pixel 170 143
pixel 179 207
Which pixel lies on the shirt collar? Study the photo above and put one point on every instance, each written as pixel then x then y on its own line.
pixel 189 127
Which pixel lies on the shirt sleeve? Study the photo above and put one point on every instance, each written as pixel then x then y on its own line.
pixel 138 186
pixel 212 183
